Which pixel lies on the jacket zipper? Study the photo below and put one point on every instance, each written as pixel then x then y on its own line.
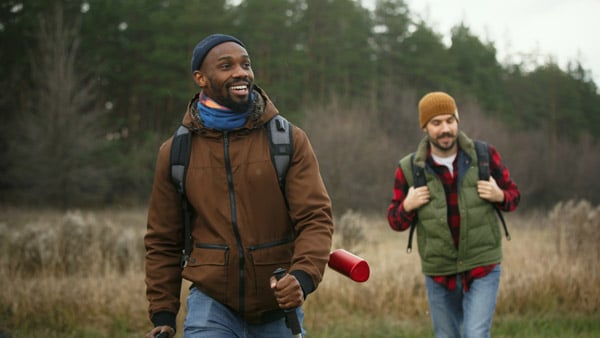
pixel 212 246
pixel 270 244
pixel 234 224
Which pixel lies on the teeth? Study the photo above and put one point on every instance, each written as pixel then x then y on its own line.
pixel 239 87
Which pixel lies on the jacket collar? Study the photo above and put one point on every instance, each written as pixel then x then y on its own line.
pixel 465 144
pixel 263 110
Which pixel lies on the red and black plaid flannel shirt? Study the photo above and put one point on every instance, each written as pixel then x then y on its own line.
pixel 401 220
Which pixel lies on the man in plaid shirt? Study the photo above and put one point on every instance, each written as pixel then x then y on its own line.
pixel 458 233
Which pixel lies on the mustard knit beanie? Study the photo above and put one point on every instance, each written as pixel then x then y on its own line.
pixel 436 103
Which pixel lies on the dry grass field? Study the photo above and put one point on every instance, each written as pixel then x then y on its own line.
pixel 80 274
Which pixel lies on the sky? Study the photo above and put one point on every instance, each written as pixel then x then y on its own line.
pixel 557 30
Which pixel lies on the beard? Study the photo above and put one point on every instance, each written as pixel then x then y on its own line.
pixel 236 106
pixel 435 142
pixel 227 101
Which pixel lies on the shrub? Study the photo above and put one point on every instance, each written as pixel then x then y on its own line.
pixel 576 225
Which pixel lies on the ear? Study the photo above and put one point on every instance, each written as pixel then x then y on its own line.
pixel 199 78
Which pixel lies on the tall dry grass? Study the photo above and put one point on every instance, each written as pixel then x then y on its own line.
pixel 550 266
pixel 82 271
pixel 72 271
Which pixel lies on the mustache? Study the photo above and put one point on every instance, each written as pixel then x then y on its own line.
pixel 445 135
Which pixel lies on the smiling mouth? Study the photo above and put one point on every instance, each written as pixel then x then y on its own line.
pixel 239 89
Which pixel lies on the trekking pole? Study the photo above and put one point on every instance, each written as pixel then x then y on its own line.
pixel 291 319
pixel 162 335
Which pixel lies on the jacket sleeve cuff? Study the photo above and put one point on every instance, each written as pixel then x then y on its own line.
pixel 164 318
pixel 305 281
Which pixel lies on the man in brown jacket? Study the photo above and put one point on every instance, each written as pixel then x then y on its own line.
pixel 244 226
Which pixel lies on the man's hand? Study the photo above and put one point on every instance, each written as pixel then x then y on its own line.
pixel 489 190
pixel 170 332
pixel 288 291
pixel 415 198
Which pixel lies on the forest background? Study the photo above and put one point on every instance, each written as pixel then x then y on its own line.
pixel 90 89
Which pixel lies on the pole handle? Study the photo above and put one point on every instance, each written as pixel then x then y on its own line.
pixel 291 319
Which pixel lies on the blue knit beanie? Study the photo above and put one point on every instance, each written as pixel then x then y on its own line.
pixel 204 46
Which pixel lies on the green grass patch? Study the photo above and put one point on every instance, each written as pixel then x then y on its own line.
pixel 547 326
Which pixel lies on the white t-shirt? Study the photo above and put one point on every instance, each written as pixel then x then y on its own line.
pixel 446 161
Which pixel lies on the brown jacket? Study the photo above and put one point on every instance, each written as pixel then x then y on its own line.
pixel 241 229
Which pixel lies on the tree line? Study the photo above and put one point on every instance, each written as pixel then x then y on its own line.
pixel 90 88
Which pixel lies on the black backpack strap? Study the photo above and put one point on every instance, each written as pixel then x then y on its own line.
pixel 280 137
pixel 179 159
pixel 418 181
pixel 279 131
pixel 483 158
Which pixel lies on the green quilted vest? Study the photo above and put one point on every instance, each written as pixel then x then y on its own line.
pixel 480 241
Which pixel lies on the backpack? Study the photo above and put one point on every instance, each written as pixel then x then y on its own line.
pixel 483 160
pixel 279 131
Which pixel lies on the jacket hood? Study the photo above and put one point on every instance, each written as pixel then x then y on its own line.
pixel 262 111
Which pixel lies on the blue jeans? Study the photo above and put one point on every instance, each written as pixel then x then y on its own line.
pixel 468 314
pixel 208 318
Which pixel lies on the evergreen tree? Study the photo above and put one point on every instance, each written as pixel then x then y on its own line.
pixel 59 132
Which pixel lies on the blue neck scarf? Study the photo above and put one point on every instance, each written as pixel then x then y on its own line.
pixel 216 116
